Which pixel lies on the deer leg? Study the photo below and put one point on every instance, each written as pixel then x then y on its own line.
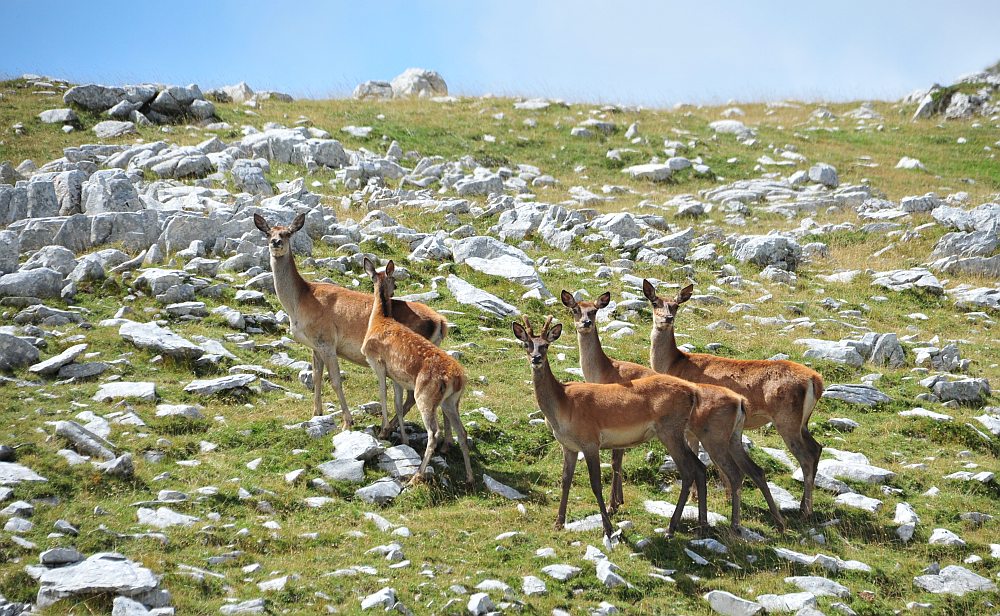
pixel 427 406
pixel 730 470
pixel 569 466
pixel 806 450
pixel 593 459
pixel 694 445
pixel 692 473
pixel 317 384
pixel 451 416
pixel 698 470
pixel 397 395
pixel 756 474
pixel 333 369
pixel 379 369
pixel 617 492
pixel 682 499
pixel 815 449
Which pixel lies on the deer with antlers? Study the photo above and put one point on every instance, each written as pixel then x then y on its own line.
pixel 717 421
pixel 777 391
pixel 588 417
pixel 415 363
pixel 332 320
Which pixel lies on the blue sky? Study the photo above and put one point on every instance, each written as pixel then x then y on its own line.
pixel 654 53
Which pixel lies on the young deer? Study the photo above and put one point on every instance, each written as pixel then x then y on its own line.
pixel 717 421
pixel 778 391
pixel 588 417
pixel 416 364
pixel 332 320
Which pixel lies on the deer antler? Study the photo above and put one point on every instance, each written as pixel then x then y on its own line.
pixel 527 326
pixel 545 328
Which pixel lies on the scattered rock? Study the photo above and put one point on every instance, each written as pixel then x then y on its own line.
pixel 209 387
pixel 500 489
pixel 104 573
pixel 729 604
pixel 954 580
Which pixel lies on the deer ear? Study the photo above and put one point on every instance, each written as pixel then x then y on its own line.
pixel 648 290
pixel 603 301
pixel 390 267
pixel 567 299
pixel 685 294
pixel 297 223
pixel 369 267
pixel 519 332
pixel 553 334
pixel 261 224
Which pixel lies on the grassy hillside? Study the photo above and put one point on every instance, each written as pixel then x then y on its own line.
pixel 454 530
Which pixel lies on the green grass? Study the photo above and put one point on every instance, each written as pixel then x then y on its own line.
pixel 454 529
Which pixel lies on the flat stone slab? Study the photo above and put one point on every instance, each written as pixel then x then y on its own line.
pixel 791 602
pixel 830 563
pixel 785 500
pixel 501 489
pixel 859 501
pixel 470 295
pixel 819 586
pixel 924 413
pixel 727 603
pixel 865 473
pixel 85 441
pixel 954 580
pixel 381 492
pixel 121 390
pixel 665 509
pixel 861 394
pixel 164 517
pixel 52 365
pixel 354 445
pixel 83 371
pixel 105 573
pixel 210 387
pixel 904 280
pixel 589 523
pixel 401 461
pixel 343 470
pixel 152 337
pixel 187 411
pixel 561 572
pixel 12 473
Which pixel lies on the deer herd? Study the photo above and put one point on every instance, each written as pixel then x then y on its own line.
pixel 685 400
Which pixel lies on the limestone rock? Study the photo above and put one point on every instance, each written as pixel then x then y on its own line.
pixel 156 339
pixel 726 603
pixel 954 580
pixel 104 573
pixel 418 82
pixel 16 353
pixel 465 293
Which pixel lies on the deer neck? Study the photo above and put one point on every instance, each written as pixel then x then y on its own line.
pixel 288 283
pixel 593 361
pixel 663 351
pixel 381 307
pixel 549 393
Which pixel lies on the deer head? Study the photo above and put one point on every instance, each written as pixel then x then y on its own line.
pixel 664 310
pixel 585 313
pixel 279 239
pixel 384 282
pixel 536 346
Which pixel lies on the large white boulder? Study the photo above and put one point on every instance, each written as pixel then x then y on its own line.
pixel 418 82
